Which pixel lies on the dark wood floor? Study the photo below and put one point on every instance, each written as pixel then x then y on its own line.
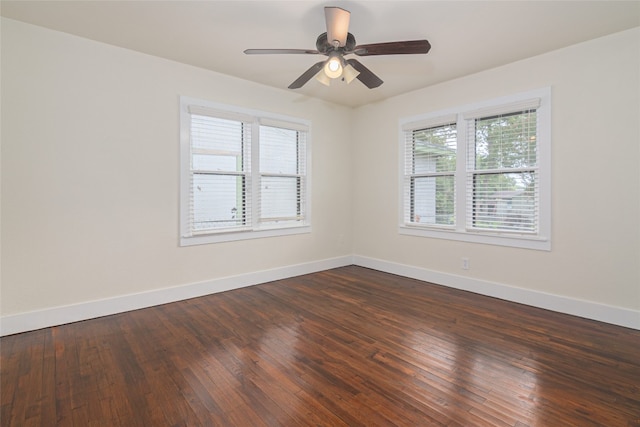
pixel 345 347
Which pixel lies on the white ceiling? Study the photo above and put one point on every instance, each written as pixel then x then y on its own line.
pixel 466 36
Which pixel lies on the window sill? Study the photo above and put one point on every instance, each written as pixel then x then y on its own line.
pixel 233 236
pixel 510 240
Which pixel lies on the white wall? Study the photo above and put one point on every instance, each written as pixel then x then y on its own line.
pixel 90 174
pixel 595 254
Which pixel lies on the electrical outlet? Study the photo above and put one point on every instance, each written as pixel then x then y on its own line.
pixel 465 263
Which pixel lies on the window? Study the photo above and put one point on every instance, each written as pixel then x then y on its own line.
pixel 480 173
pixel 243 174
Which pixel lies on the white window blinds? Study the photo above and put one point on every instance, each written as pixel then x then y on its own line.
pixel 502 183
pixel 282 174
pixel 430 167
pixel 241 173
pixel 480 173
pixel 220 196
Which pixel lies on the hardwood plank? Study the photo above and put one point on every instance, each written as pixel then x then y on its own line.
pixel 343 347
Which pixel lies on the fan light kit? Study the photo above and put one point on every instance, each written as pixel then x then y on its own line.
pixel 338 42
pixel 333 67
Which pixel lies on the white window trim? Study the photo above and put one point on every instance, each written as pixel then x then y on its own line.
pixel 257 118
pixel 540 241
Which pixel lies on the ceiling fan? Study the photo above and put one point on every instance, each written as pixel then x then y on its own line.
pixel 338 42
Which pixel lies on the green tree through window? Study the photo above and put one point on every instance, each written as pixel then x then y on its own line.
pixel 504 164
pixel 433 162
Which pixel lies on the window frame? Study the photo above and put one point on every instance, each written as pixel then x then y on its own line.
pixel 254 229
pixel 540 240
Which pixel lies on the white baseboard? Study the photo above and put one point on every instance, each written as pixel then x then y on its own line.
pixel 55 316
pixel 586 309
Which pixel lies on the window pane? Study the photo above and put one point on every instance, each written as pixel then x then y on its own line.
pixel 218 201
pixel 211 162
pixel 217 144
pixel 278 150
pixel 213 133
pixel 280 198
pixel 434 149
pixel 506 141
pixel 433 200
pixel 505 201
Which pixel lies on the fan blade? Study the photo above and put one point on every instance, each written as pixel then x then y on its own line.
pixel 280 51
pixel 307 75
pixel 393 48
pixel 366 76
pixel 337 25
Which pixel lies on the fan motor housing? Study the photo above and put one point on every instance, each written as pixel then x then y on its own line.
pixel 323 45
